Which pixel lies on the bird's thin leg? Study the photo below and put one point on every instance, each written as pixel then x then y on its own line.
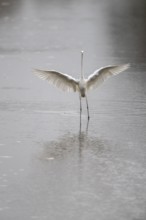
pixel 80 105
pixel 87 126
pixel 80 113
pixel 80 125
pixel 87 108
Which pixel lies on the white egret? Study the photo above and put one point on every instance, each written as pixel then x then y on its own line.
pixel 82 85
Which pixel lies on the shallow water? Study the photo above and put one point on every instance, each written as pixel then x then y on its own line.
pixel 50 166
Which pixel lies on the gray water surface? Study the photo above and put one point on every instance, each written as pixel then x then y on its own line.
pixel 50 167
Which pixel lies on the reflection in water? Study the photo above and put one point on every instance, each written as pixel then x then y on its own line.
pixel 70 144
pixel 64 171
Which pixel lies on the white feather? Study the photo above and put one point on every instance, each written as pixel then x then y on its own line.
pixel 100 75
pixel 60 80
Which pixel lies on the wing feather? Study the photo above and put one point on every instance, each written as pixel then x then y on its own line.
pixel 100 75
pixel 60 80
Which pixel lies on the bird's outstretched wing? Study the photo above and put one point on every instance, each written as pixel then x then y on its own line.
pixel 100 75
pixel 60 80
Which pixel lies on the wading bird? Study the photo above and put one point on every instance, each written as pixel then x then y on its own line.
pixel 82 85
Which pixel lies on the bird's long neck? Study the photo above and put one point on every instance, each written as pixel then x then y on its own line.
pixel 82 74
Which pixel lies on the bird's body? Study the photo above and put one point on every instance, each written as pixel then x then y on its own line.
pixel 82 85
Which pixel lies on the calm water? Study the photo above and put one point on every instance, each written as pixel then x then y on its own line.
pixel 49 167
